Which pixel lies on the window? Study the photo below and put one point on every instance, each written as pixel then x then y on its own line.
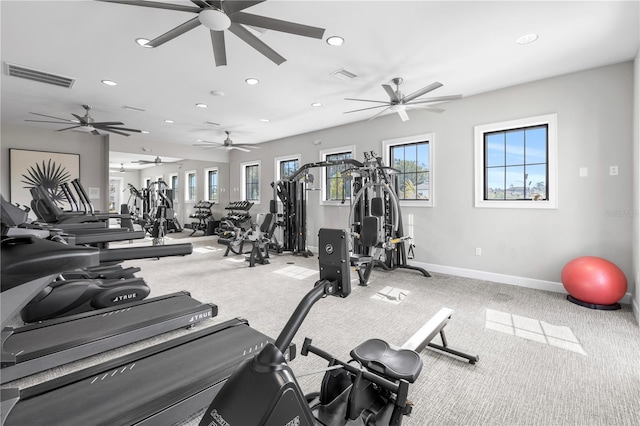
pixel 173 185
pixel 286 166
pixel 211 190
pixel 191 184
pixel 337 187
pixel 251 181
pixel 516 163
pixel 412 157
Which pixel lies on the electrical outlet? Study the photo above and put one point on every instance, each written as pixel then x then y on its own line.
pixel 613 170
pixel 478 251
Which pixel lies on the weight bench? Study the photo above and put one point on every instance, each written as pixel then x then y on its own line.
pixel 424 336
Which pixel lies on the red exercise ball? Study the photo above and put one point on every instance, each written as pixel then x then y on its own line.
pixel 594 280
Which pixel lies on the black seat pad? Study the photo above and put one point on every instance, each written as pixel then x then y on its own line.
pixel 378 356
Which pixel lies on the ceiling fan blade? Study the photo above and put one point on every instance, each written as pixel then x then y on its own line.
pixel 156 5
pixel 379 113
pixel 364 109
pixel 68 128
pixel 110 129
pixel 56 122
pixel 366 100
pixel 436 99
pixel 239 148
pixel 51 116
pixel 126 129
pixel 171 34
pixel 429 88
pixel 256 43
pixel 247 146
pixel 403 114
pixel 392 93
pixel 95 132
pixel 106 123
pixel 219 49
pixel 277 25
pixel 82 120
pixel 238 5
pixel 200 3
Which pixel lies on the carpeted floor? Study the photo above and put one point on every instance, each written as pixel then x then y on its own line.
pixel 543 360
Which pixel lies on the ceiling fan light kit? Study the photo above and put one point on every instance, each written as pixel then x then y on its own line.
pixel 214 19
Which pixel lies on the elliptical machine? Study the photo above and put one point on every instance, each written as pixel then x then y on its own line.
pixel 373 393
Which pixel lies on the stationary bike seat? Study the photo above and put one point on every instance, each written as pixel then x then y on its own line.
pixel 378 356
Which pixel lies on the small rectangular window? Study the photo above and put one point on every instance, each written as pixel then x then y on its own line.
pixel 191 186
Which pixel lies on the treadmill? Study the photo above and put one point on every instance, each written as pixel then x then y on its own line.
pixel 159 385
pixel 29 264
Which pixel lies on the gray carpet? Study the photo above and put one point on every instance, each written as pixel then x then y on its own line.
pixel 543 360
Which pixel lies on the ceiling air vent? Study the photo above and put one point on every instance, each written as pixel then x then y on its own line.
pixel 344 75
pixel 36 75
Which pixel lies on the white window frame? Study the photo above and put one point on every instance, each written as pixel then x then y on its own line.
pixel 243 180
pixel 206 183
pixel 426 137
pixel 186 186
pixel 323 157
pixel 278 160
pixel 551 120
pixel 171 176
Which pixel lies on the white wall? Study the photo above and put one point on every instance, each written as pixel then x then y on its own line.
pixel 92 149
pixel 595 130
pixel 636 186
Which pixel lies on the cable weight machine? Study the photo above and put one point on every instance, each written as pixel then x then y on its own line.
pixel 375 218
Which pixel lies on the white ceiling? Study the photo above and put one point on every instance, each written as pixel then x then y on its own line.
pixel 468 46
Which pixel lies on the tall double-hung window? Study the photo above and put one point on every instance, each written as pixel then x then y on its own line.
pixel 337 184
pixel 191 185
pixel 211 189
pixel 412 161
pixel 516 163
pixel 251 181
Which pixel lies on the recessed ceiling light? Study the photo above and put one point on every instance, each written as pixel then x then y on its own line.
pixel 527 38
pixel 217 93
pixel 146 132
pixel 168 121
pixel 335 41
pixel 265 120
pixel 143 42
pixel 316 104
pixel 252 81
pixel 109 83
pixel 201 105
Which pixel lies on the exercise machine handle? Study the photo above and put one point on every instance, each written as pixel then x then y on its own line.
pixel 320 290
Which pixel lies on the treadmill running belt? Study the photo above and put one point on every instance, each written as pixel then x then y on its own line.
pixel 140 385
pixel 37 347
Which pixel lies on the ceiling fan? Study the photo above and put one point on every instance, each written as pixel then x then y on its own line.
pixel 87 123
pixel 158 161
pixel 399 103
pixel 120 170
pixel 227 144
pixel 220 15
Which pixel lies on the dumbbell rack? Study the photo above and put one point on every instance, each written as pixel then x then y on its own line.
pixel 238 212
pixel 203 214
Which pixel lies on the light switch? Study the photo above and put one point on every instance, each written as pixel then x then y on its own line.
pixel 584 172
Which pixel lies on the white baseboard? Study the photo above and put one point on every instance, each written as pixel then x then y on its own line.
pixel 504 279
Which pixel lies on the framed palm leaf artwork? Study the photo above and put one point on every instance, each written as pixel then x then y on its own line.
pixel 41 168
